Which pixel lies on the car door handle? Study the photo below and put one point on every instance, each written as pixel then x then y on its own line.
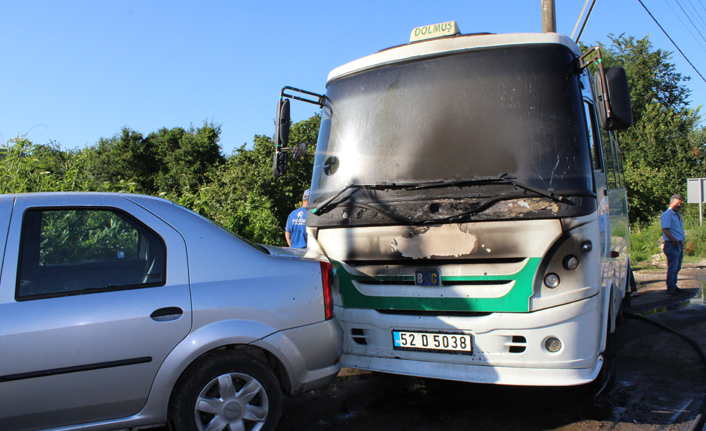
pixel 166 314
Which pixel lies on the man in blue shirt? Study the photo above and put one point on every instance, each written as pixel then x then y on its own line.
pixel 295 231
pixel 673 234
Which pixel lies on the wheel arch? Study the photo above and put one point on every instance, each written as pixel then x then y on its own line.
pixel 236 362
pixel 258 353
pixel 226 334
pixel 606 314
pixel 628 274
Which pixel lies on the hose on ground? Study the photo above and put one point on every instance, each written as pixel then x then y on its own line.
pixel 701 417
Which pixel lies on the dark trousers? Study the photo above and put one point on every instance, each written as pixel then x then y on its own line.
pixel 674 258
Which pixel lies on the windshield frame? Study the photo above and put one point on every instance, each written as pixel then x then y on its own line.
pixel 565 119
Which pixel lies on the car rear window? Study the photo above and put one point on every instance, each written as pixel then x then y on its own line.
pixel 74 251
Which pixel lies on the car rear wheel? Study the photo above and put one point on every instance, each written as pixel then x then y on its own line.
pixel 228 390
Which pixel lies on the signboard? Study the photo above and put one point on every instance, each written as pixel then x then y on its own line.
pixel 695 191
pixel 435 30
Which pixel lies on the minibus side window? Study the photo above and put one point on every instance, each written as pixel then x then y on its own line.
pixel 609 156
pixel 620 169
pixel 596 158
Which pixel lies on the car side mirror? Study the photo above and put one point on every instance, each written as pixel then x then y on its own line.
pixel 279 164
pixel 614 107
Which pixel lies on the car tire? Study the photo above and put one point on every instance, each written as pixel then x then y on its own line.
pixel 229 388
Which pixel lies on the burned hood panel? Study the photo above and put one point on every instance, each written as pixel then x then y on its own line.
pixel 434 241
pixel 480 240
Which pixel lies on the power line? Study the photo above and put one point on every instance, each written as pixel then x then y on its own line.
pixel 671 40
pixel 697 14
pixel 687 27
pixel 702 5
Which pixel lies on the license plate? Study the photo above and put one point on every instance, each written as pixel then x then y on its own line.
pixel 427 278
pixel 432 342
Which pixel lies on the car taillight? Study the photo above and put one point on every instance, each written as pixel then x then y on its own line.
pixel 327 281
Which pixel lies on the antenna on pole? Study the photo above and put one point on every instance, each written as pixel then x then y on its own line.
pixel 579 20
pixel 585 22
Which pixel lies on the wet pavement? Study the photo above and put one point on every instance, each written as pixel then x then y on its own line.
pixel 652 289
pixel 656 382
pixel 659 379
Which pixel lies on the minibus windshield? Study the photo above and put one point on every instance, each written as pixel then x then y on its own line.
pixel 482 113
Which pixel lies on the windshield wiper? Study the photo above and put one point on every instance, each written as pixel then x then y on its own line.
pixel 502 179
pixel 508 179
pixel 320 208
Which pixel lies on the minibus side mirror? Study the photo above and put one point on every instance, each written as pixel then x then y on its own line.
pixel 279 164
pixel 617 94
pixel 283 121
pixel 299 151
pixel 282 125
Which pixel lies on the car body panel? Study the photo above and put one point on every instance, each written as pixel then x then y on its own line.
pixel 227 272
pixel 77 342
pixel 313 351
pixel 54 351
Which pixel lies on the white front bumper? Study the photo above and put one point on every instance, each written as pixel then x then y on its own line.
pixel 508 348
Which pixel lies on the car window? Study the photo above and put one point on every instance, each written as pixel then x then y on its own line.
pixel 74 251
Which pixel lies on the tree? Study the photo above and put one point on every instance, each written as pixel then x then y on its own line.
pixel 665 145
pixel 246 198
pixel 28 167
pixel 127 156
pixel 651 75
pixel 185 156
pixel 164 162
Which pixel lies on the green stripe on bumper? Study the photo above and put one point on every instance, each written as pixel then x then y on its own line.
pixel 516 300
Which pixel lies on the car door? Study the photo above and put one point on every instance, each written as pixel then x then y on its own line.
pixel 94 294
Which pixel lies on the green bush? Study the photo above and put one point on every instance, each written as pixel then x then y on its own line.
pixel 695 244
pixel 644 241
pixel 26 167
pixel 645 238
pixel 185 166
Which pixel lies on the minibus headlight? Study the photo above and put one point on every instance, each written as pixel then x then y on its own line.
pixel 586 246
pixel 571 262
pixel 553 344
pixel 551 280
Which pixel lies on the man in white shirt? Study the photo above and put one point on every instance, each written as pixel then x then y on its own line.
pixel 673 234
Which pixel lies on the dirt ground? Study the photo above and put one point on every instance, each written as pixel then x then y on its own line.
pixel 651 286
pixel 657 382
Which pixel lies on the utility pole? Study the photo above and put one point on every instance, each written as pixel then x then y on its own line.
pixel 548 16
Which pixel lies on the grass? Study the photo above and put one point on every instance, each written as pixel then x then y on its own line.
pixel 645 239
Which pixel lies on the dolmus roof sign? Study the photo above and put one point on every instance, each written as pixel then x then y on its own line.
pixel 449 28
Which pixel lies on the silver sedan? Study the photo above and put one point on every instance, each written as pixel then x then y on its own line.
pixel 121 311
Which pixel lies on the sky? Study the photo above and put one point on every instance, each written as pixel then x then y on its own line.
pixel 77 71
